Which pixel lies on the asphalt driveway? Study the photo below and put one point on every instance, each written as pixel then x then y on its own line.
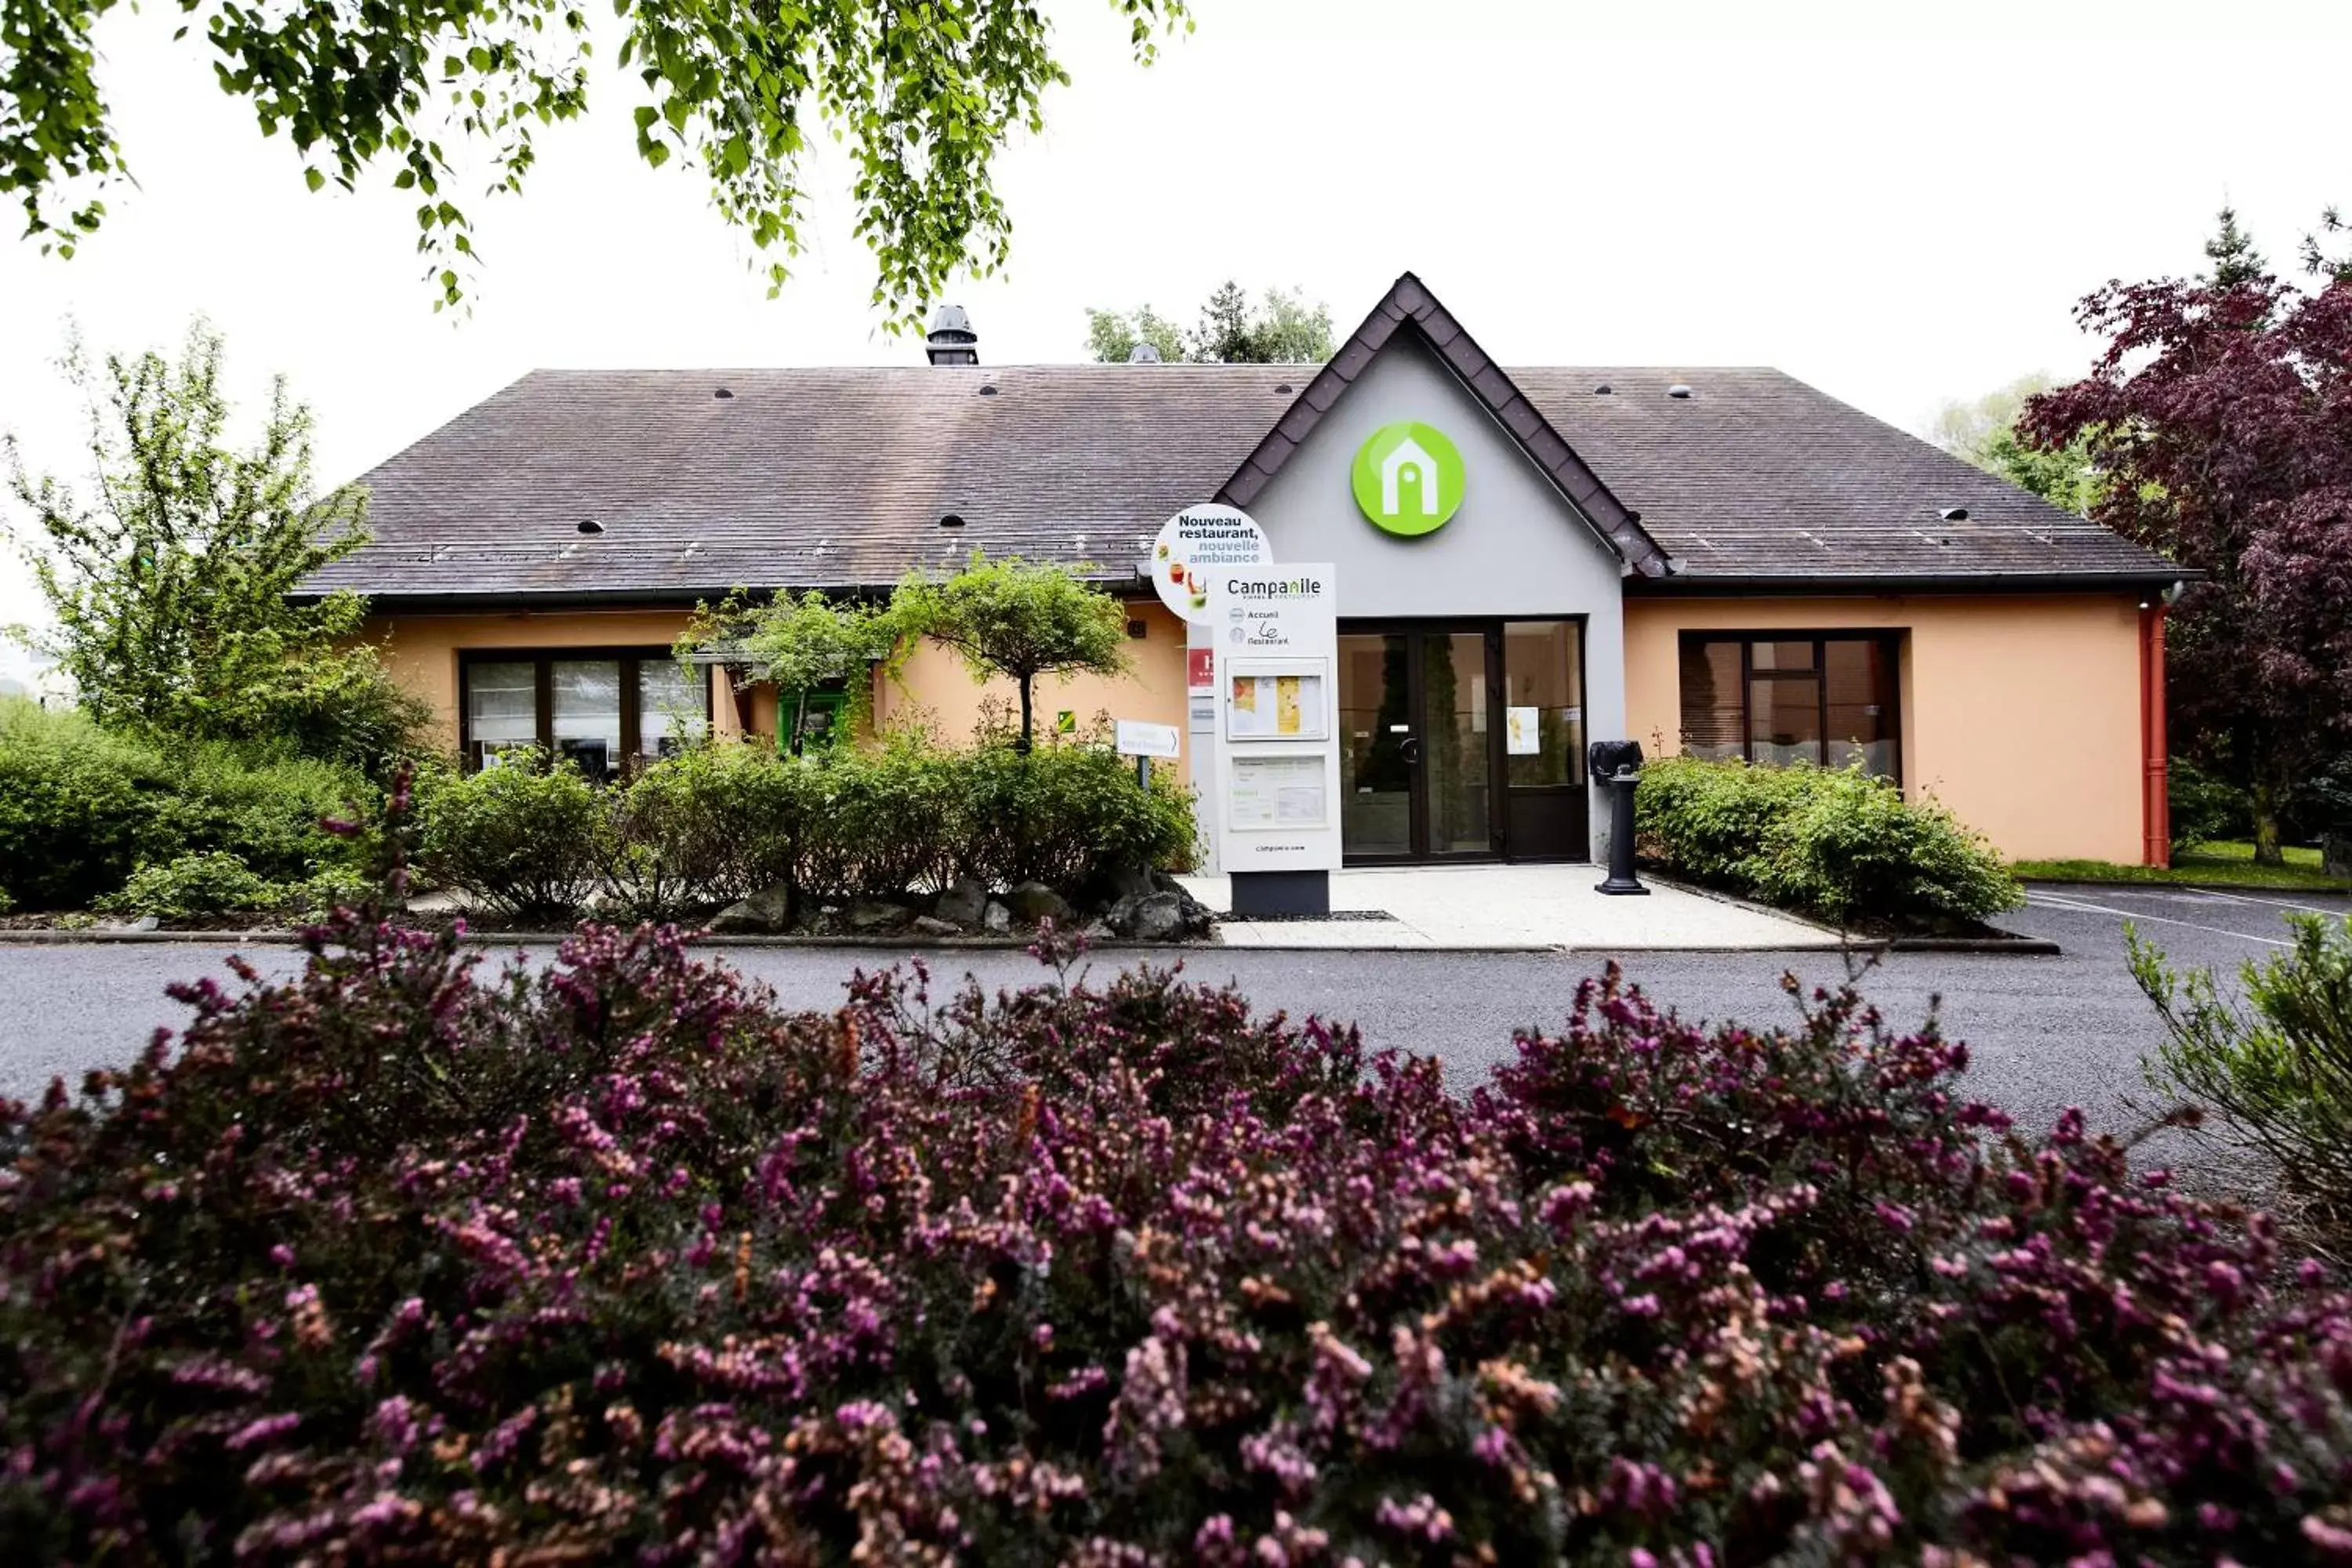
pixel 2045 1033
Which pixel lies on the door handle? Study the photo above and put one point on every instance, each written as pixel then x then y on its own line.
pixel 1411 750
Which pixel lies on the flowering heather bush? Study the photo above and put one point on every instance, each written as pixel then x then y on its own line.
pixel 396 1262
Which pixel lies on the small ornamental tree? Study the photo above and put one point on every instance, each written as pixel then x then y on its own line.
pixel 2221 413
pixel 803 643
pixel 170 579
pixel 1020 620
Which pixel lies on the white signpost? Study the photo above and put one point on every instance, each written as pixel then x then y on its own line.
pixel 1139 738
pixel 1276 768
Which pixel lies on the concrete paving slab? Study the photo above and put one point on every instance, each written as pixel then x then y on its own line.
pixel 1513 909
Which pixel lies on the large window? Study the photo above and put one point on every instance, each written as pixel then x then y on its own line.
pixel 1826 699
pixel 594 708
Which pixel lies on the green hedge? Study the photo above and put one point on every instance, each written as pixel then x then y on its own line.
pixel 704 828
pixel 81 809
pixel 1836 843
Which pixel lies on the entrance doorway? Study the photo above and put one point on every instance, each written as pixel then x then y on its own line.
pixel 1461 740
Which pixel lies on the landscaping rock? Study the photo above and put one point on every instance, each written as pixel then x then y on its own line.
pixel 964 903
pixel 1130 884
pixel 1034 901
pixel 932 925
pixel 1160 917
pixel 1121 916
pixel 996 917
pixel 769 910
pixel 868 915
pixel 1197 917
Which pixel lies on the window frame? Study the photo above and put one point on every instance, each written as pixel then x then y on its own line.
pixel 542 660
pixel 1889 640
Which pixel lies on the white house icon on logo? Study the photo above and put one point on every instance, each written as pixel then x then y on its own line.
pixel 1408 455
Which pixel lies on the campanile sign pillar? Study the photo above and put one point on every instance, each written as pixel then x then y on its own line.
pixel 1276 775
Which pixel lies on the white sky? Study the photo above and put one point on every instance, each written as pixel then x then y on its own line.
pixel 1892 215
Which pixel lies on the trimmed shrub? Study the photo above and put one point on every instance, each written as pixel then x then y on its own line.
pixel 211 883
pixel 1069 816
pixel 1835 843
pixel 704 828
pixel 2279 1066
pixel 525 839
pixel 613 1261
pixel 699 830
pixel 267 810
pixel 80 808
pixel 882 823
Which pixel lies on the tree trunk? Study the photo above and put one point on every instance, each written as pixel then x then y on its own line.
pixel 2336 854
pixel 800 718
pixel 1022 743
pixel 2263 801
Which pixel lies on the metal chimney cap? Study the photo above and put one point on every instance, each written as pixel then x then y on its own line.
pixel 951 339
pixel 1143 353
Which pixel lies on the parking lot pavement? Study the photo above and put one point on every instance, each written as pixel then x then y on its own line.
pixel 2043 1032
pixel 2194 926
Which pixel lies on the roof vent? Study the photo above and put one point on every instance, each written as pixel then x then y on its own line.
pixel 988 389
pixel 1143 353
pixel 590 525
pixel 722 394
pixel 1281 388
pixel 1678 390
pixel 951 339
pixel 1603 390
pixel 1953 513
pixel 952 519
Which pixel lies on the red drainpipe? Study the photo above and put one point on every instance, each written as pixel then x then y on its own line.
pixel 2155 806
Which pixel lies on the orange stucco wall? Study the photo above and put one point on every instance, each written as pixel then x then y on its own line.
pixel 935 689
pixel 421 651
pixel 2022 712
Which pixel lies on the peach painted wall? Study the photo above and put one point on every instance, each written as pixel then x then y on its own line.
pixel 421 651
pixel 2020 712
pixel 935 689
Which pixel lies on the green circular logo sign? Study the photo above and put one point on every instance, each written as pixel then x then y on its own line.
pixel 1408 477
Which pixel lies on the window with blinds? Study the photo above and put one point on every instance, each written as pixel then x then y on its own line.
pixel 1827 699
pixel 605 712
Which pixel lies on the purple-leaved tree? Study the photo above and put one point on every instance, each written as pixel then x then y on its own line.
pixel 2220 412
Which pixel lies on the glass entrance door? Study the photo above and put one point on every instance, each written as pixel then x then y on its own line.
pixel 1378 747
pixel 1418 734
pixel 1455 770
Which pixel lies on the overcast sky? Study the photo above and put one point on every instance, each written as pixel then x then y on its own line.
pixel 1894 215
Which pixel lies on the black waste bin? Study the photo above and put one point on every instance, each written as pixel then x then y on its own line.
pixel 1617 765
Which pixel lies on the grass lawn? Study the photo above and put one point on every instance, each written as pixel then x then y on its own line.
pixel 2220 864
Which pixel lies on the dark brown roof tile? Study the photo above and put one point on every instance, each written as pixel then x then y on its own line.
pixel 838 477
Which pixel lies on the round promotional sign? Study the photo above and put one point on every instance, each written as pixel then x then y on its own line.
pixel 1408 477
pixel 1196 542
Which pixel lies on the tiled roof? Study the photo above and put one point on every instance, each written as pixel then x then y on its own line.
pixel 839 478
